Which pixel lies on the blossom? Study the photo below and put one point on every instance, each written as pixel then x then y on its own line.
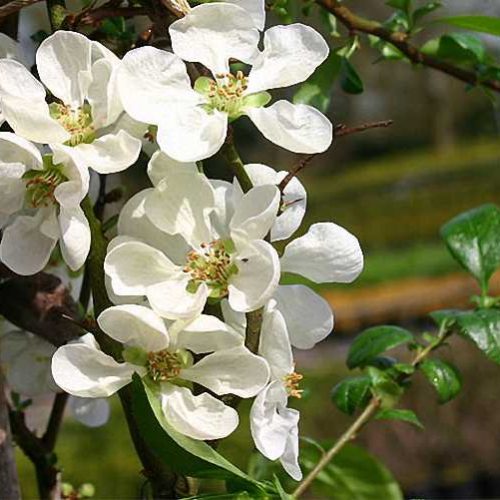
pixel 26 358
pixel 274 426
pixel 81 75
pixel 182 243
pixel 40 205
pixel 163 357
pixel 192 122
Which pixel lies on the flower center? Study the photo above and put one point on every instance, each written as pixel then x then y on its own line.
pixel 41 184
pixel 226 94
pixel 164 365
pixel 77 122
pixel 292 382
pixel 212 266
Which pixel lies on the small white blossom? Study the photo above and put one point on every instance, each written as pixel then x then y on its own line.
pixel 26 362
pixel 183 242
pixel 164 357
pixel 192 123
pixel 81 75
pixel 40 205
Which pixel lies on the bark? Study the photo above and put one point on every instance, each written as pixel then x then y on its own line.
pixel 9 482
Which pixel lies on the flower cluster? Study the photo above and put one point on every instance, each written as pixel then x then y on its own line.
pixel 195 259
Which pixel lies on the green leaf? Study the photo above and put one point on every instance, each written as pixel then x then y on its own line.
pixel 425 10
pixel 444 377
pixel 181 453
pixel 353 474
pixel 385 387
pixel 352 393
pixel 350 81
pixel 375 341
pixel 481 24
pixel 403 415
pixel 473 238
pixel 460 48
pixel 403 5
pixel 316 91
pixel 283 495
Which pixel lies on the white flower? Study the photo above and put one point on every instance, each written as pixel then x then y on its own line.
pixel 40 205
pixel 182 243
pixel 82 369
pixel 274 426
pixel 192 123
pixel 25 359
pixel 81 75
pixel 327 253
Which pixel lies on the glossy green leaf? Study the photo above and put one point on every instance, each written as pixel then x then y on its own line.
pixel 316 91
pixel 473 238
pixel 460 48
pixel 352 393
pixel 350 81
pixel 425 10
pixel 444 377
pixel 375 341
pixel 182 454
pixel 403 5
pixel 353 474
pixel 385 387
pixel 481 24
pixel 402 415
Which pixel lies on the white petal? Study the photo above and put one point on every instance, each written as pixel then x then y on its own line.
pixel 134 222
pixel 15 149
pixel 275 344
pixel 103 93
pixel 234 319
pixel 63 61
pixel 134 266
pixel 200 417
pixel 211 34
pixel 111 153
pixel 161 166
pixel 255 8
pixel 12 187
pixel 84 370
pixel 181 204
pixel 294 199
pixel 135 326
pixel 170 299
pixel 208 334
pixel 24 248
pixel 10 49
pixel 270 429
pixel 25 360
pixel 327 253
pixel 75 236
pixel 290 458
pixel 291 54
pixel 230 371
pixel 257 278
pixel 296 127
pixel 88 411
pixel 308 316
pixel 190 134
pixel 255 214
pixel 24 107
pixel 151 81
pixel 224 193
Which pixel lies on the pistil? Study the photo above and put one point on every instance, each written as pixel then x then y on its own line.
pixel 77 122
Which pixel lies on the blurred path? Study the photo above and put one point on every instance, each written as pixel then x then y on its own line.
pixel 402 301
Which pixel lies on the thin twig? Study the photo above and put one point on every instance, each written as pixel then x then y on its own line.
pixel 355 23
pixel 368 413
pixel 15 6
pixel 339 131
pixel 52 431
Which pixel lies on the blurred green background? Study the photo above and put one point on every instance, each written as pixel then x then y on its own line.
pixel 393 188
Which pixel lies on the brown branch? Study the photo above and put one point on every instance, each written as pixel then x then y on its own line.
pixel 355 23
pixel 15 6
pixel 9 482
pixel 339 131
